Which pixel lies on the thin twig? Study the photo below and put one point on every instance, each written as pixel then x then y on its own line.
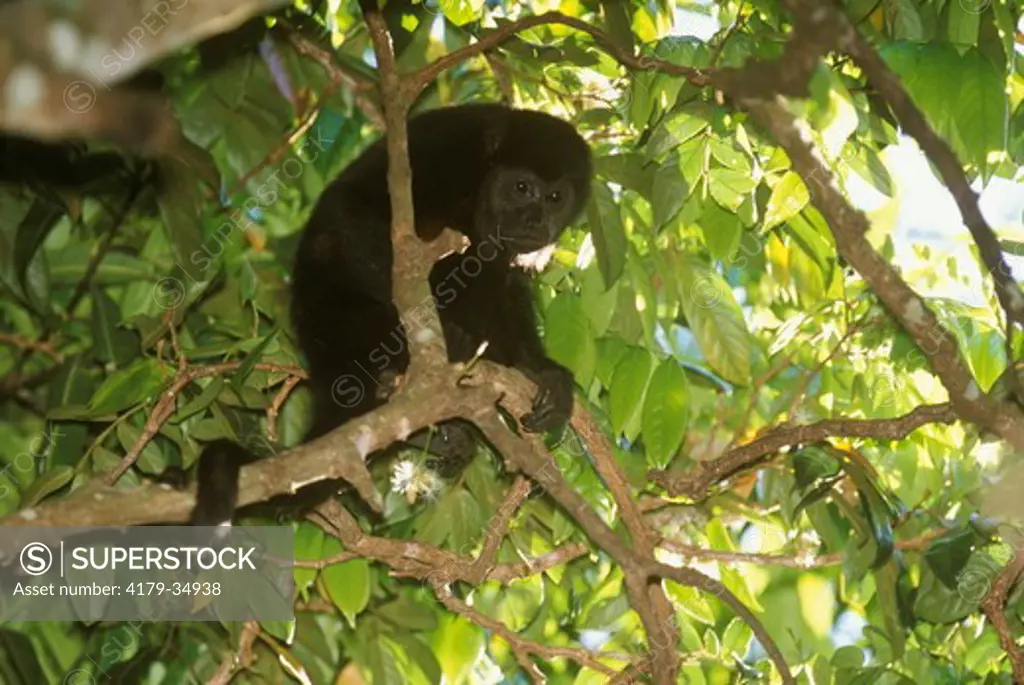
pixel 239 659
pixel 23 343
pixel 521 647
pixel 796 561
pixel 165 406
pixel 275 407
pixel 993 605
pixel 695 485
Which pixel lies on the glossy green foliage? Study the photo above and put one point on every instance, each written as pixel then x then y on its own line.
pixel 699 301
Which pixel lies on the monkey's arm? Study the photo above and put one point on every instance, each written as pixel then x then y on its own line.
pixel 552 405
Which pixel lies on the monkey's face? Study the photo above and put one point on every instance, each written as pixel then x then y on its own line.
pixel 523 212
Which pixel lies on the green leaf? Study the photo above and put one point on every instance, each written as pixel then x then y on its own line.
pixel 788 197
pixel 46 484
pixel 832 112
pixel 464 516
pixel 128 386
pixel 849 656
pixel 461 12
pixel 974 122
pixel 665 412
pixel 867 164
pixel 980 112
pixel 42 217
pixel 628 170
pixel 691 602
pixel 605 612
pixel 736 637
pixel 347 583
pixel 568 338
pixel 308 544
pixel 876 509
pixel 811 464
pixel 408 614
pixel 737 582
pixel 201 401
pixel 808 276
pixel 715 319
pixel 937 603
pixel 111 343
pixel 644 299
pixel 626 394
pixel 77 412
pixel 809 231
pixel 598 302
pixel 964 20
pixel 729 187
pixel 677 128
pixel 69 264
pixel 905 19
pixel 609 353
pixel 456 645
pixel 180 202
pixel 722 230
pixel 420 655
pixel 618 21
pixel 151 460
pixel 670 191
pixel 238 379
pixel 1004 22
pixel 609 237
pixel 729 156
pixel 456 517
pixel 948 555
pixel 21 664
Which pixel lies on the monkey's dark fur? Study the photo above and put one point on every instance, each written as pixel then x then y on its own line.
pixel 510 181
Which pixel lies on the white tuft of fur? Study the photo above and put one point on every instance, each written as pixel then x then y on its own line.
pixel 536 260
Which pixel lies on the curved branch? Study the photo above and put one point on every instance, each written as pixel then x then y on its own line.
pixel 527 455
pixel 696 484
pixel 695 579
pixel 849 228
pixel 417 81
pixel 994 605
pixel 56 94
pixel 411 263
pixel 935 148
pixel 338 455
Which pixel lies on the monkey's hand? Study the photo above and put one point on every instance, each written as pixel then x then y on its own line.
pixel 553 404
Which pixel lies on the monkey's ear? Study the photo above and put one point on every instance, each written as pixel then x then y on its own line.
pixel 495 131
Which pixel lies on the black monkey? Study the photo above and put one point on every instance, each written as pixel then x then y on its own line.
pixel 510 181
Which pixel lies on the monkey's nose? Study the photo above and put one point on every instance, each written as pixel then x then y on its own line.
pixel 534 220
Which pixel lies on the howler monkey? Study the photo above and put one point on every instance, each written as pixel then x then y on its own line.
pixel 510 181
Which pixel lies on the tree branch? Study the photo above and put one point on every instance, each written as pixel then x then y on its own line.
pixel 795 561
pixel 696 484
pixel 846 35
pixel 439 569
pixel 417 81
pixel 643 538
pixel 528 456
pixel 166 405
pixel 849 228
pixel 994 604
pixel 64 91
pixel 340 76
pixel 411 261
pixel 241 658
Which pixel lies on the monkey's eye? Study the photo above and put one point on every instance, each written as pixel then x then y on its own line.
pixel 555 196
pixel 522 187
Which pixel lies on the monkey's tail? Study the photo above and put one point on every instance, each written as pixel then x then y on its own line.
pixel 217 482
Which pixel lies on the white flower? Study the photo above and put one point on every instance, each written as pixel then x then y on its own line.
pixel 402 475
pixel 415 480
